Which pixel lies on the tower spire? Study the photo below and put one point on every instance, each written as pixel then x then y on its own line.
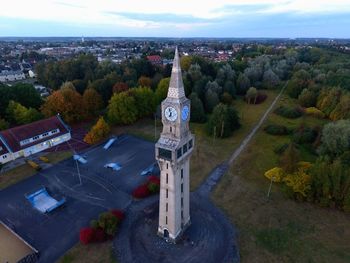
pixel 176 87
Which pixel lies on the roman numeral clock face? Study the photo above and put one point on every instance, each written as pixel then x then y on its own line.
pixel 170 113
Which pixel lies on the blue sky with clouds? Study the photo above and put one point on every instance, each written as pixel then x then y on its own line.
pixel 181 18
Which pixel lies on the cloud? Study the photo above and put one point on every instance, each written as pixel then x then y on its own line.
pixel 162 17
pixel 175 18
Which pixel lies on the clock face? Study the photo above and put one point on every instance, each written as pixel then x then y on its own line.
pixel 170 113
pixel 185 113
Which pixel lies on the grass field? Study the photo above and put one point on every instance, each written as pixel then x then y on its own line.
pixel 23 171
pixel 278 229
pixel 271 230
pixel 99 253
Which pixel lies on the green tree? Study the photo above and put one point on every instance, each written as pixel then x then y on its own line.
pixel 223 121
pixel 185 62
pixel 162 90
pixel 122 108
pixel 19 114
pixel 3 124
pixel 243 84
pixel 335 138
pixel 211 100
pixel 252 95
pixel 308 98
pixel 145 101
pixel 270 79
pixel 197 109
pixel 25 94
pixel 300 80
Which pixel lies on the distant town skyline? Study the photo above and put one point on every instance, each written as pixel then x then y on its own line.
pixel 190 18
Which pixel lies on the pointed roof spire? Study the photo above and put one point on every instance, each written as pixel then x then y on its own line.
pixel 176 87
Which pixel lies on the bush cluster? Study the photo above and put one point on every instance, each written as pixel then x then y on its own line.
pixel 275 129
pixel 152 186
pixel 102 229
pixel 305 135
pixel 289 112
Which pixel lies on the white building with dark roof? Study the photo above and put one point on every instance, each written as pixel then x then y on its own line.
pixel 25 140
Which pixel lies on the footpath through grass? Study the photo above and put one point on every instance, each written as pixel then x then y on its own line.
pixel 279 229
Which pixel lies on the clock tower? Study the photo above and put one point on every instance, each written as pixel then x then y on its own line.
pixel 173 151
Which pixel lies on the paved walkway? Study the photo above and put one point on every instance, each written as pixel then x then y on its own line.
pixel 215 176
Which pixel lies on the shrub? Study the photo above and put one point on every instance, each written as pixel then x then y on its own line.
pixel 153 188
pixel 304 135
pixel 275 129
pixel 86 235
pixel 289 112
pixel 279 149
pixel 94 224
pixel 118 214
pixel 275 174
pixel 99 235
pixel 108 222
pixel 314 112
pixel 299 182
pixel 141 192
pixel 154 179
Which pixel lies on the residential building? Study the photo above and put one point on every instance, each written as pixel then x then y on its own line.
pixel 28 139
pixel 7 76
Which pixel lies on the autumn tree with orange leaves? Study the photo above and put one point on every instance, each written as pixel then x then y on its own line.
pixel 67 102
pixel 98 132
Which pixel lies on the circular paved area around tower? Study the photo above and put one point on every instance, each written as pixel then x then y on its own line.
pixel 211 238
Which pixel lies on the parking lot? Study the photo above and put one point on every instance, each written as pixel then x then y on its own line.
pixel 89 189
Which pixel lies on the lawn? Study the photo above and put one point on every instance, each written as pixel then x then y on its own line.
pixel 277 229
pixel 23 171
pixel 210 152
pixel 97 253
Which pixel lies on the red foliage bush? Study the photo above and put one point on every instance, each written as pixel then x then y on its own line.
pixel 118 214
pixel 141 191
pixel 87 235
pixel 154 179
pixel 99 235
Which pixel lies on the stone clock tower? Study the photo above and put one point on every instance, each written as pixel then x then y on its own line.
pixel 173 151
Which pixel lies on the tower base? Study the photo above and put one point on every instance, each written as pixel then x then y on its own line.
pixel 164 233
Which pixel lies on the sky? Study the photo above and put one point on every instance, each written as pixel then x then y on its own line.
pixel 175 18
